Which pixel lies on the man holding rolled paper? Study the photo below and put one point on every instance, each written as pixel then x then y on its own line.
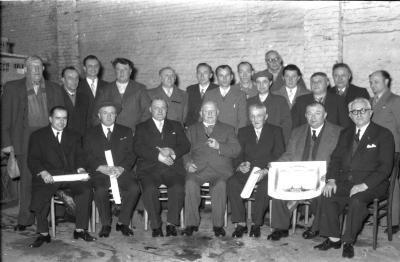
pixel 54 151
pixel 261 144
pixel 110 159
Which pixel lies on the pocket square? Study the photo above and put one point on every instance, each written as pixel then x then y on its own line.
pixel 122 138
pixel 173 133
pixel 371 146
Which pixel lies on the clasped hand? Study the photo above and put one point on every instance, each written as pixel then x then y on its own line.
pixel 111 170
pixel 166 155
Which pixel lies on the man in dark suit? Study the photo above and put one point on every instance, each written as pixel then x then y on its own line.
pixel 195 93
pixel 314 141
pixel 92 85
pixel 24 109
pixel 56 150
pixel 277 108
pixel 127 94
pixel 246 83
pixel 334 104
pixel 261 143
pixel 213 146
pixel 160 144
pixel 106 136
pixel 358 172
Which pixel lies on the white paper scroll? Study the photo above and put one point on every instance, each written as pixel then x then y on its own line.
pixel 113 179
pixel 250 183
pixel 71 177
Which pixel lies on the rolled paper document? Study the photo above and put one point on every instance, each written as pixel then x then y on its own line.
pixel 71 177
pixel 113 179
pixel 250 183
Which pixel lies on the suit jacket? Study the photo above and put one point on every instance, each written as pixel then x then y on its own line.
pixel 78 113
pixel 148 138
pixel 177 103
pixel 351 93
pixel 232 107
pixel 282 92
pixel 45 153
pixel 83 87
pixel 387 114
pixel 203 156
pixel 371 163
pixel 269 147
pixel 120 144
pixel 194 102
pixel 329 136
pixel 135 103
pixel 278 112
pixel 334 106
pixel 14 112
pixel 250 92
pixel 279 82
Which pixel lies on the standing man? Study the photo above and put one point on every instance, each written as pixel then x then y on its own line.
pixel 333 103
pixel 386 106
pixel 196 92
pixel 25 105
pixel 246 84
pixel 277 108
pixel 127 94
pixel 177 100
pixel 358 172
pixel 313 141
pixel 213 146
pixel 261 143
pixel 56 150
pixel 231 102
pixel 92 85
pixel 160 144
pixel 108 135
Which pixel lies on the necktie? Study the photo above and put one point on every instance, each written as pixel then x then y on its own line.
pixel 169 92
pixel 108 134
pixel 209 130
pixel 160 126
pixel 92 87
pixel 58 137
pixel 36 89
pixel 258 133
pixel 357 136
pixel 314 135
pixel 202 91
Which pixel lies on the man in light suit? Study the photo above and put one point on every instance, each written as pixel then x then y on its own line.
pixel 160 144
pixel 304 145
pixel 358 172
pixel 261 143
pixel 213 146
pixel 386 106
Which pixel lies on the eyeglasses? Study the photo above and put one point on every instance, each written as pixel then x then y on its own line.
pixel 360 111
pixel 270 60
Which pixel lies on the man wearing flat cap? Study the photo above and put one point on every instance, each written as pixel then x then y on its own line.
pixel 119 139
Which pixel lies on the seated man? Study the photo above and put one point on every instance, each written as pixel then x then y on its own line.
pixel 314 141
pixel 56 150
pixel 109 135
pixel 213 146
pixel 160 144
pixel 261 144
pixel 358 172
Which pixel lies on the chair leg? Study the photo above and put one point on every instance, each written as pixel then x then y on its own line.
pixel 226 216
pixel 389 219
pixel 294 220
pixel 306 218
pixel 182 219
pixel 249 210
pixel 375 225
pixel 146 219
pixel 53 217
pixel 270 214
pixel 92 222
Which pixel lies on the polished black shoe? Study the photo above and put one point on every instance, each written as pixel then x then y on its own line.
pixel 395 229
pixel 40 240
pixel 19 227
pixel 125 230
pixel 239 231
pixel 83 235
pixel 309 234
pixel 327 244
pixel 105 231
pixel 157 232
pixel 348 250
pixel 255 231
pixel 219 231
pixel 188 231
pixel 171 231
pixel 278 234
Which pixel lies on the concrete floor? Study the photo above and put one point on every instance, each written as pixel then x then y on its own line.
pixel 202 246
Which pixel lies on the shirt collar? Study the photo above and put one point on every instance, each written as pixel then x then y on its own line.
pixel 105 129
pixel 224 90
pixel 317 130
pixel 69 92
pixel 204 87
pixel 55 131
pixel 288 89
pixel 263 97
pixel 90 81
pixel 362 130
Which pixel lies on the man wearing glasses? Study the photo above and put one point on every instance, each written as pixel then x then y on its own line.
pixel 358 172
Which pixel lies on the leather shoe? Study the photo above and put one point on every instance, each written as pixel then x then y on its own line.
pixel 188 231
pixel 40 240
pixel 83 235
pixel 327 244
pixel 171 230
pixel 278 234
pixel 105 231
pixel 309 234
pixel 157 232
pixel 219 231
pixel 239 231
pixel 348 250
pixel 19 227
pixel 395 229
pixel 125 230
pixel 255 231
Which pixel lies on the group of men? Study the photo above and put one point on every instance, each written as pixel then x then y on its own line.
pixel 212 133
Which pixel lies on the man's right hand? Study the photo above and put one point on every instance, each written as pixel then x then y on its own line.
pixel 47 177
pixel 106 170
pixel 329 187
pixel 7 149
pixel 165 159
pixel 244 167
pixel 191 167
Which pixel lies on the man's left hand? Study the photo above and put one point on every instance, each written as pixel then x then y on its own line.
pixel 358 188
pixel 213 143
pixel 262 173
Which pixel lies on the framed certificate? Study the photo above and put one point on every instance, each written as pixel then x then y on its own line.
pixel 296 180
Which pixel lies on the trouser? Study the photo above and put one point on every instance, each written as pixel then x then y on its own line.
pixel 25 215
